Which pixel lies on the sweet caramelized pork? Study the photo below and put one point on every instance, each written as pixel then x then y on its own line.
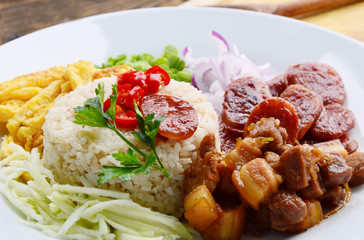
pixel 356 161
pixel 315 188
pixel 244 151
pixel 297 165
pixel 256 181
pixel 201 210
pixel 289 212
pixel 269 128
pixel 285 164
pixel 264 183
pixel 207 145
pixel 336 171
pixel 333 198
pixel 331 146
pixel 272 159
pixel 228 226
pixel 286 209
pixel 313 217
pixel 204 169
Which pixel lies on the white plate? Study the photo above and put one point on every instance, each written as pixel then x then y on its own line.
pixel 263 38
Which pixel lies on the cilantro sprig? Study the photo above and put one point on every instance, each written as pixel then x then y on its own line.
pixel 92 114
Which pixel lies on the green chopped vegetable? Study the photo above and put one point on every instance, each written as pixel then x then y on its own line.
pixel 92 114
pixel 169 61
pixel 74 212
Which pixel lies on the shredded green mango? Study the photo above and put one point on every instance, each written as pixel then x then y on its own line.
pixel 169 61
pixel 72 212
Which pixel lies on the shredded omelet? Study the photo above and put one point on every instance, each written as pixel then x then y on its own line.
pixel 25 100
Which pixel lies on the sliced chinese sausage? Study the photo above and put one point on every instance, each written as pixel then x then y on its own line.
pixel 277 85
pixel 277 108
pixel 333 122
pixel 307 103
pixel 241 96
pixel 227 137
pixel 319 77
pixel 182 119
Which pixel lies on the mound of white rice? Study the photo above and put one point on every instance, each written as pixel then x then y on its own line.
pixel 73 152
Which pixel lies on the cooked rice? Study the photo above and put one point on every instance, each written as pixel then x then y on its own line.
pixel 72 151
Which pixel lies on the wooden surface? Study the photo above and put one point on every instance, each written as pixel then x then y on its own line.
pixel 19 17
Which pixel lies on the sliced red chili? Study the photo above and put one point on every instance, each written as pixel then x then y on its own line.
pixel 140 81
pixel 135 94
pixel 107 104
pixel 126 120
pixel 120 99
pixel 118 109
pixel 165 78
pixel 153 83
pixel 127 77
pixel 123 87
pixel 134 78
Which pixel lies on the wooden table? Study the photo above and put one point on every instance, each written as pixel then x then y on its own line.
pixel 19 17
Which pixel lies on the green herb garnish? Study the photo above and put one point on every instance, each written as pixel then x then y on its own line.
pixel 92 114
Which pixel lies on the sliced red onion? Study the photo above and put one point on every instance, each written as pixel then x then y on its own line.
pixel 265 70
pixel 219 41
pixel 185 51
pixel 236 49
pixel 193 81
pixel 187 55
pixel 212 75
pixel 200 77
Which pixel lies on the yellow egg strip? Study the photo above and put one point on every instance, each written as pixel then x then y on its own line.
pixel 25 100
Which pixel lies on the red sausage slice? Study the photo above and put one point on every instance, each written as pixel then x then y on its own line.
pixel 277 85
pixel 241 96
pixel 320 78
pixel 182 119
pixel 334 121
pixel 277 108
pixel 227 137
pixel 307 103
